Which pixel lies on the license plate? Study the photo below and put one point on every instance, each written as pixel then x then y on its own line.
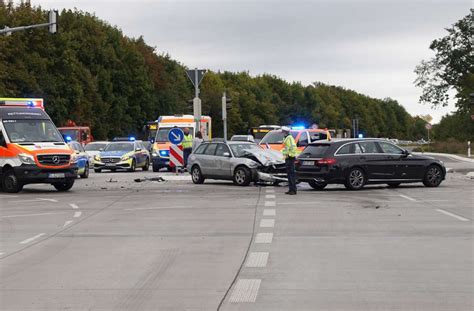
pixel 109 164
pixel 307 163
pixel 57 175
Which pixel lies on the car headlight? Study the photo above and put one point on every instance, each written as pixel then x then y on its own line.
pixel 97 158
pixel 26 158
pixel 125 158
pixel 74 159
pixel 154 154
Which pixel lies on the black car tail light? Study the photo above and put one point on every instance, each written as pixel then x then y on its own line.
pixel 326 161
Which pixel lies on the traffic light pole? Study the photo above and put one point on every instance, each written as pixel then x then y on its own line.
pixel 52 24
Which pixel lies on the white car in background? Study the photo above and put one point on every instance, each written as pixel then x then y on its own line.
pixel 94 148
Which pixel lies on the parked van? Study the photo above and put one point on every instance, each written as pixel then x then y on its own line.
pixel 31 148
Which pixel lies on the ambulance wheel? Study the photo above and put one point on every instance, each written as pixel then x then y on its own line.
pixel 10 182
pixel 147 165
pixel 64 186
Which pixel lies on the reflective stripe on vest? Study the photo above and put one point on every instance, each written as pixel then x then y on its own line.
pixel 187 141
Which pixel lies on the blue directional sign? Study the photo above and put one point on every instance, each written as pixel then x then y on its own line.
pixel 176 136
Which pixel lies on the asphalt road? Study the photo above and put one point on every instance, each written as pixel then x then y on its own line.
pixel 114 244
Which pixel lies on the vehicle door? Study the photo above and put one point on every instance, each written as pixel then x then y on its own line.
pixel 303 141
pixel 394 166
pixel 223 161
pixel 81 159
pixel 208 160
pixel 373 160
pixel 141 154
pixel 406 165
pixel 348 155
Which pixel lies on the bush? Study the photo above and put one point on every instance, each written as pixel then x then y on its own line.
pixel 449 146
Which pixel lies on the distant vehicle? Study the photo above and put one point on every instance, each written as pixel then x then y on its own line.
pixel 274 139
pixel 73 132
pixel 248 138
pixel 242 162
pixel 31 148
pixel 357 162
pixel 123 155
pixel 260 131
pixel 81 158
pixel 149 131
pixel 93 149
pixel 161 147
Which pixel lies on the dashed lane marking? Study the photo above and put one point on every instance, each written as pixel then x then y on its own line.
pixel 28 215
pixel 74 206
pixel 269 212
pixel 264 238
pixel 245 290
pixel 267 223
pixel 32 238
pixel 77 214
pixel 407 197
pixel 270 190
pixel 452 215
pixel 257 260
pixel 8 196
pixel 270 203
pixel 269 196
pixel 67 223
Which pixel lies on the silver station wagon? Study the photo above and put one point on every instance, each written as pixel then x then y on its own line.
pixel 242 162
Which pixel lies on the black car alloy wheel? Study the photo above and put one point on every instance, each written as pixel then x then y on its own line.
pixel 355 179
pixel 433 176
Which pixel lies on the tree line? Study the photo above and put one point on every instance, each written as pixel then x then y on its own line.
pixel 93 74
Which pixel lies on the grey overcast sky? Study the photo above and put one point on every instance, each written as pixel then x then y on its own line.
pixel 370 46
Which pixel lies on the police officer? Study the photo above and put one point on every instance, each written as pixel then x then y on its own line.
pixel 289 152
pixel 187 145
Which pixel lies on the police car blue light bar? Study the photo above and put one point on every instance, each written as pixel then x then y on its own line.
pixel 298 127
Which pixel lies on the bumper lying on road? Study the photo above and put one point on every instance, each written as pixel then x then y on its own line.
pixel 271 177
pixel 30 174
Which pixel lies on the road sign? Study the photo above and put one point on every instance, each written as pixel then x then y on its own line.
pixel 196 75
pixel 176 156
pixel 428 126
pixel 176 136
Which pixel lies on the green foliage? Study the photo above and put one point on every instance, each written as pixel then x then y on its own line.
pixel 451 68
pixel 91 73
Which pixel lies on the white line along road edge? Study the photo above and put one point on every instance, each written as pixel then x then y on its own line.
pixel 32 238
pixel 452 215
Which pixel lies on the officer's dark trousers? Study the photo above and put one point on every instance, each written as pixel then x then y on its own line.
pixel 186 153
pixel 290 171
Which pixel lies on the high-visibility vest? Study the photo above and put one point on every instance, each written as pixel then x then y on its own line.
pixel 289 145
pixel 187 141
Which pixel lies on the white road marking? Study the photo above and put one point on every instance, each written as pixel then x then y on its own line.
pixel 270 190
pixel 77 214
pixel 245 290
pixel 407 197
pixel 264 238
pixel 34 200
pixel 152 208
pixel 257 260
pixel 32 238
pixel 74 206
pixel 270 203
pixel 452 215
pixel 28 215
pixel 1 254
pixel 67 223
pixel 267 223
pixel 8 196
pixel 269 212
pixel 269 196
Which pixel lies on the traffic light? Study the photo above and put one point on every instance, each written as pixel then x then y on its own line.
pixel 226 105
pixel 53 21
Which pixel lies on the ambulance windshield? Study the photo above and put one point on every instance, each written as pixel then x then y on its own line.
pixel 32 131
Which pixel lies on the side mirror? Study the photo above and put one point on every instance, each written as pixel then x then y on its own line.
pixel 138 149
pixel 406 153
pixel 3 142
pixel 226 154
pixel 101 149
pixel 77 152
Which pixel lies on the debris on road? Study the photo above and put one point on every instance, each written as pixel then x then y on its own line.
pixel 112 180
pixel 158 179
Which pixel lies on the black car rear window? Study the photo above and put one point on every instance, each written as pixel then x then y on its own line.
pixel 315 151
